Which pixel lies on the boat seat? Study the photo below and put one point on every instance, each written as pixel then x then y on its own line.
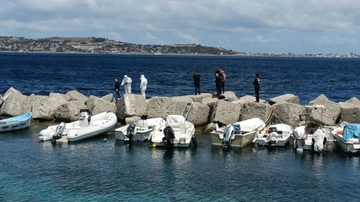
pixel 177 127
pixel 174 126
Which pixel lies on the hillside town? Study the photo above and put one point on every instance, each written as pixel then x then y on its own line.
pixel 103 45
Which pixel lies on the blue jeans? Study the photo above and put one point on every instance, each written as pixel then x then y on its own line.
pixel 116 93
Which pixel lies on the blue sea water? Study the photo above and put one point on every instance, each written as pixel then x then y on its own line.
pixel 93 170
pixel 94 74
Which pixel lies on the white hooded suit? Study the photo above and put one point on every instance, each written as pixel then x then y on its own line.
pixel 143 85
pixel 127 83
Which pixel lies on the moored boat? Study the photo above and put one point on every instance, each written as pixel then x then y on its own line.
pixel 275 135
pixel 16 123
pixel 348 137
pixel 140 131
pixel 238 134
pixel 313 137
pixel 175 132
pixel 87 126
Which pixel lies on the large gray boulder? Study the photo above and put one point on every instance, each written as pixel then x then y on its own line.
pixel 247 99
pixel 209 128
pixel 164 106
pixel 350 112
pixel 255 110
pixel 75 96
pixel 187 99
pixel 200 98
pixel 130 105
pixel 230 96
pixel 287 113
pixel 328 115
pixel 1 100
pixel 199 114
pixel 43 107
pixel 106 97
pixel 226 112
pixel 69 111
pixel 131 119
pixel 15 103
pixel 99 105
pixel 354 100
pixel 285 98
pixel 209 101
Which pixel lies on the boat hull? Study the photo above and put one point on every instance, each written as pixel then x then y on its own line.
pixel 236 141
pixel 16 123
pixel 279 142
pixel 143 130
pixel 76 131
pixel 183 133
pixel 306 143
pixel 347 146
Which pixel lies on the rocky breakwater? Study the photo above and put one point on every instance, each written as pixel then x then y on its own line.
pixel 202 110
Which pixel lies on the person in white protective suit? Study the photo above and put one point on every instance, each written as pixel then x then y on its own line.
pixel 143 85
pixel 127 83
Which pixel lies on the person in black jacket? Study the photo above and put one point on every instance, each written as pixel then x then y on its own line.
pixel 256 83
pixel 197 82
pixel 116 91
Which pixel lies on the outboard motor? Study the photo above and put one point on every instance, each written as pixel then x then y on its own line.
pixel 229 132
pixel 129 133
pixel 58 132
pixel 318 140
pixel 273 136
pixel 169 136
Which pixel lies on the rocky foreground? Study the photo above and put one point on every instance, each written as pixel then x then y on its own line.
pixel 204 109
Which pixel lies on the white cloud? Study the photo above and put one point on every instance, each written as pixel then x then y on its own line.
pixel 188 38
pixel 259 39
pixel 191 21
pixel 338 40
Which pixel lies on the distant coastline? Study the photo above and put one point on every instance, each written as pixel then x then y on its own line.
pixel 95 45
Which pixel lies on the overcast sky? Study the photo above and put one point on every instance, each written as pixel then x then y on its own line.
pixel 266 26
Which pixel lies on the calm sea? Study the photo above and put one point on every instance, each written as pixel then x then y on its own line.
pixel 172 75
pixel 93 170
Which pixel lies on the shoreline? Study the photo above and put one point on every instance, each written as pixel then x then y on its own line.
pixel 174 54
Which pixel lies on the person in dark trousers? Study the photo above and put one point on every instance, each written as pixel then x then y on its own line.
pixel 197 82
pixel 116 91
pixel 223 81
pixel 218 81
pixel 256 83
pixel 217 72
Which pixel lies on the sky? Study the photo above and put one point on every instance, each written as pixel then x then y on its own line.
pixel 252 26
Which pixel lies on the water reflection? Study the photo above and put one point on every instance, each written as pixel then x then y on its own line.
pixel 232 150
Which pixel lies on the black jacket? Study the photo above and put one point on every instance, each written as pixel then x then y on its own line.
pixel 196 77
pixel 117 86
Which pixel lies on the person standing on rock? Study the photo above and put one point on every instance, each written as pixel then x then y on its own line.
pixel 127 83
pixel 218 80
pixel 223 81
pixel 143 85
pixel 116 91
pixel 197 82
pixel 256 83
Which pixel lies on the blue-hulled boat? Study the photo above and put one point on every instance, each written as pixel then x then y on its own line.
pixel 16 123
